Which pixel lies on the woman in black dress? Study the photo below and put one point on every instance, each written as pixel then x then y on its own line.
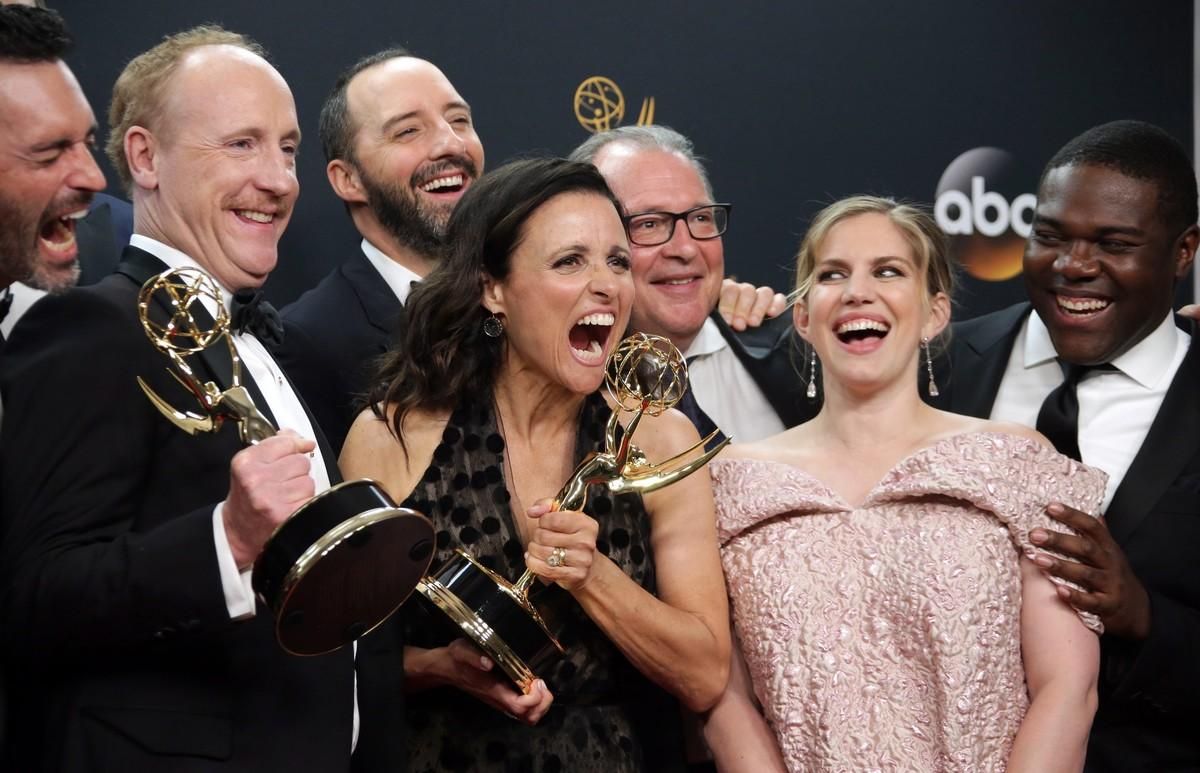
pixel 480 414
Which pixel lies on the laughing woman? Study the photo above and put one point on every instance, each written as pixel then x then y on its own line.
pixel 480 415
pixel 877 556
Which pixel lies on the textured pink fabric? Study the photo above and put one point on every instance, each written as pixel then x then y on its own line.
pixel 887 637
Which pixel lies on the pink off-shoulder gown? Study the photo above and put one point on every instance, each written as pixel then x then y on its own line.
pixel 887 636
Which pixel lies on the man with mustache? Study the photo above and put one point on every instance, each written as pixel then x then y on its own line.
pixel 125 601
pixel 401 149
pixel 47 173
pixel 1097 361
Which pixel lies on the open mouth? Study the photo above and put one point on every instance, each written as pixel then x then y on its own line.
pixel 860 330
pixel 1081 307
pixel 589 335
pixel 57 235
pixel 256 216
pixel 450 183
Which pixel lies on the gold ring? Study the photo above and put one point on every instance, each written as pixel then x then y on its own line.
pixel 558 557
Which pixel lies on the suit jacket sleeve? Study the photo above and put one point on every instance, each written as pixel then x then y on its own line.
pixel 84 564
pixel 1163 670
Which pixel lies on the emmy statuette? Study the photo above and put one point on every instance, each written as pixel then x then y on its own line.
pixel 645 375
pixel 343 562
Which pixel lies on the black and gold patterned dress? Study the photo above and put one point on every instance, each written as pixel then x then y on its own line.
pixel 606 716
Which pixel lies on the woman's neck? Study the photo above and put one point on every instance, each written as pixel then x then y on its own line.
pixel 532 407
pixel 890 417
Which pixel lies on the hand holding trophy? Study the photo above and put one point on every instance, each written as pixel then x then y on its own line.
pixel 347 558
pixel 646 374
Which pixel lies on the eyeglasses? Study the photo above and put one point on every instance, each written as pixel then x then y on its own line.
pixel 649 229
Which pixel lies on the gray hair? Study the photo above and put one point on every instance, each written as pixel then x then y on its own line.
pixel 661 138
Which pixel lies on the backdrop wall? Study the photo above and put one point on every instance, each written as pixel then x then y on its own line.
pixel 793 104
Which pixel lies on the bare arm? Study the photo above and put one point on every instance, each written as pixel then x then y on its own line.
pixel 372 452
pixel 1061 660
pixel 679 639
pixel 735 730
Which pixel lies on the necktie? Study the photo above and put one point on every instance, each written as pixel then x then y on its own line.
pixel 1058 418
pixel 688 406
pixel 251 313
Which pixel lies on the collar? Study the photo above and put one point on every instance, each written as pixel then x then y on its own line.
pixel 708 341
pixel 399 278
pixel 1146 362
pixel 176 259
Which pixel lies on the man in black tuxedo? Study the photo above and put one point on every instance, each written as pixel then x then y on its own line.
pixel 47 172
pixel 135 639
pixel 746 383
pixel 1113 232
pixel 401 149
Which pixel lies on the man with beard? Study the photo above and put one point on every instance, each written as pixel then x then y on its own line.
pixel 47 173
pixel 401 150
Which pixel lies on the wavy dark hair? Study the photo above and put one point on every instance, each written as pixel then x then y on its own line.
pixel 442 358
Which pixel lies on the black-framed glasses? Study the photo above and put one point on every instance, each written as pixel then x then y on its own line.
pixel 649 229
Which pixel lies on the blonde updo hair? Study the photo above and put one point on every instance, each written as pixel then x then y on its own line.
pixel 928 243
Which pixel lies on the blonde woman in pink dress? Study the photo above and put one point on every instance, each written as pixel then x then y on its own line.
pixel 877 557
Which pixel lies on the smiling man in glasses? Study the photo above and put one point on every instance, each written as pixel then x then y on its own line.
pixel 744 382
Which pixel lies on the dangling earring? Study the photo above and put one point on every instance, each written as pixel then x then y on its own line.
pixel 811 392
pixel 933 390
pixel 493 327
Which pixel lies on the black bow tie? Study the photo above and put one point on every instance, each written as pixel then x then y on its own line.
pixel 251 313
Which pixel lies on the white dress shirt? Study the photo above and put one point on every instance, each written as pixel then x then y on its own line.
pixel 283 404
pixel 399 278
pixel 1116 408
pixel 725 391
pixel 288 413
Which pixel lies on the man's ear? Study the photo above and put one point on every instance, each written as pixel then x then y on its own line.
pixel 939 316
pixel 141 155
pixel 1185 251
pixel 345 181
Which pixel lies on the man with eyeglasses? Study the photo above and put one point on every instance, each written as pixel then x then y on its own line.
pixel 745 383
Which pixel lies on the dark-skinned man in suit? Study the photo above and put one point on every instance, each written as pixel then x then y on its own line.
pixel 1114 231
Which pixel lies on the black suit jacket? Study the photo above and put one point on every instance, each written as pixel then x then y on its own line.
pixel 1150 690
pixel 333 336
pixel 122 653
pixel 773 355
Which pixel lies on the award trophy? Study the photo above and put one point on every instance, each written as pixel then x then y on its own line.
pixel 348 557
pixel 646 374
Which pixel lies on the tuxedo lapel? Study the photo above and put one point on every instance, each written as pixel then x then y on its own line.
pixel 979 353
pixel 1172 442
pixel 141 266
pixel 380 305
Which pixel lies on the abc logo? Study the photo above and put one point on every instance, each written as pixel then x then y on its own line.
pixel 979 208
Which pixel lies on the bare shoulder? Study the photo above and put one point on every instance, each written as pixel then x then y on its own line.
pixel 788 446
pixel 372 449
pixel 664 435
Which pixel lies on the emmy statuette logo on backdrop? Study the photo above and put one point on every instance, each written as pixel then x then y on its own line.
pixel 600 105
